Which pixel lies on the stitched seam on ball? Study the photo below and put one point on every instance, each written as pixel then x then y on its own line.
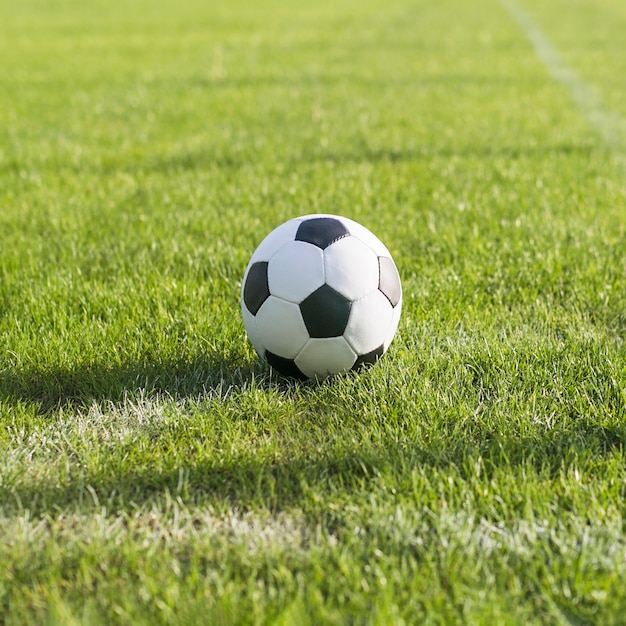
pixel 336 239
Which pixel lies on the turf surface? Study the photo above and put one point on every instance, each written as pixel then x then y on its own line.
pixel 153 471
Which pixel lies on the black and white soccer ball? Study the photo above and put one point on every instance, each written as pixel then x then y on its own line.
pixel 321 295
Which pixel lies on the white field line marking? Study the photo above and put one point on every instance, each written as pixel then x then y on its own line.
pixel 610 125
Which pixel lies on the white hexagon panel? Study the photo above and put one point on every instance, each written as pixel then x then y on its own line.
pixel 370 323
pixel 351 268
pixel 296 271
pixel 281 328
pixel 325 356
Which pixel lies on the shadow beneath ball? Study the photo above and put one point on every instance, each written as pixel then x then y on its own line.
pixel 52 388
pixel 80 385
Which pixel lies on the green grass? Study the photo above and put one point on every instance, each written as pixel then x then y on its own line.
pixel 153 471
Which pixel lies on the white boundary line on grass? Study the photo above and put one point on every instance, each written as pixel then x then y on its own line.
pixel 610 125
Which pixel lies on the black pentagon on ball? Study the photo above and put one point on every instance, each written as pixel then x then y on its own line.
pixel 321 231
pixel 286 367
pixel 389 280
pixel 325 312
pixel 256 289
pixel 369 358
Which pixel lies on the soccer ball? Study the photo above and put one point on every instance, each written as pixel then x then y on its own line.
pixel 321 295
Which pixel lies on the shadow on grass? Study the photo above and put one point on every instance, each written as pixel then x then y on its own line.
pixel 52 388
pixel 245 483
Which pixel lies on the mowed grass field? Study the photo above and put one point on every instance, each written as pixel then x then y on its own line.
pixel 153 471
